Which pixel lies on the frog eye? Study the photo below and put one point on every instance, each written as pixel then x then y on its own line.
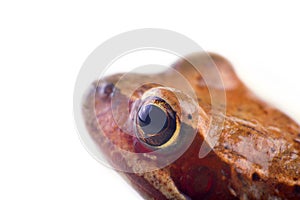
pixel 156 122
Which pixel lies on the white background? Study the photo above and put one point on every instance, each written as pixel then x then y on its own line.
pixel 43 45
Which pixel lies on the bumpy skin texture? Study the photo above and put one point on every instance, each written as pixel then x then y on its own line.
pixel 256 155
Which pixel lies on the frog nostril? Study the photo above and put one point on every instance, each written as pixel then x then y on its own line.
pixel 105 90
pixel 255 177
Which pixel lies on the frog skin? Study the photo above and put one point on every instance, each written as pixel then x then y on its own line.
pixel 256 155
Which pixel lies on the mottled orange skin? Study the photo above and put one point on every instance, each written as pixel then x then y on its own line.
pixel 256 156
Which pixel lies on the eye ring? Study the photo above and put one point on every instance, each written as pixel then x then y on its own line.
pixel 157 124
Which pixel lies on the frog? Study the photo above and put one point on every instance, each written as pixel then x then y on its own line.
pixel 255 156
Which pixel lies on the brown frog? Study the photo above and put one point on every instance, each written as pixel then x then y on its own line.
pixel 255 156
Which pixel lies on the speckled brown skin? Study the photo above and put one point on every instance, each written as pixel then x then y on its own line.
pixel 256 156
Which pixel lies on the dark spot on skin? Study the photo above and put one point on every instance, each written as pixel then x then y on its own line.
pixel 272 149
pixel 190 116
pixel 255 177
pixel 298 134
pixel 292 133
pixel 199 99
pixel 297 140
pixel 295 179
pixel 226 146
pixel 199 77
pixel 297 189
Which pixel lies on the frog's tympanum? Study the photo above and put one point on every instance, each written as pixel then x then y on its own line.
pixel 256 154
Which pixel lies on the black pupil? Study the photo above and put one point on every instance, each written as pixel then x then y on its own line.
pixel 152 119
pixel 157 126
